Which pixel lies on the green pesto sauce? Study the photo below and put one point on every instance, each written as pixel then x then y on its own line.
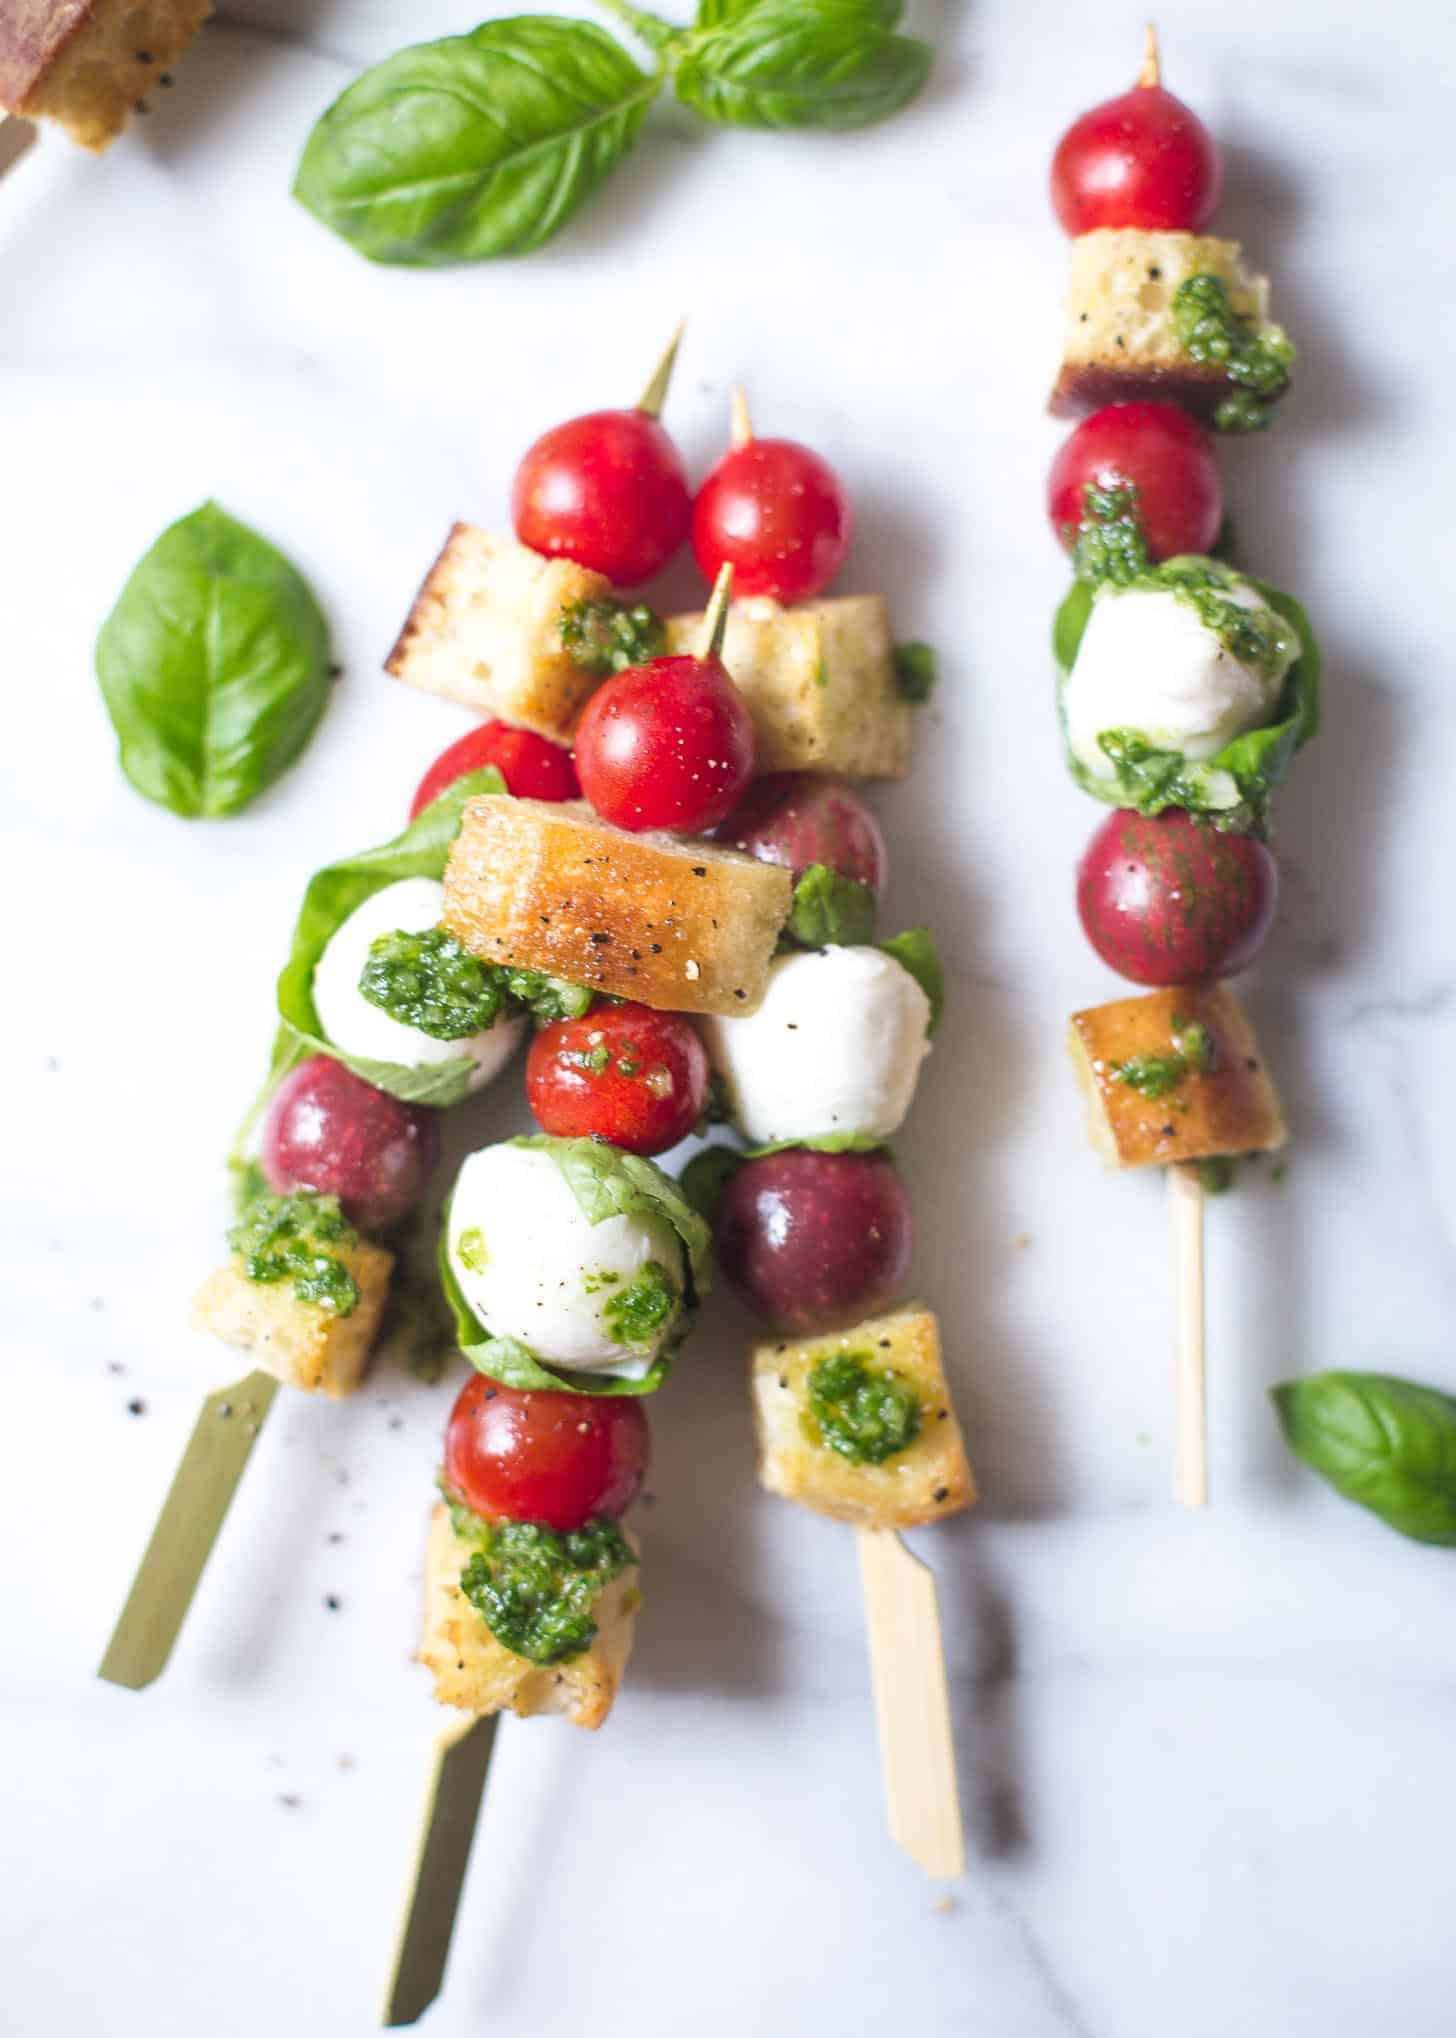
pixel 430 981
pixel 535 1589
pixel 636 1314
pixel 545 998
pixel 1108 543
pixel 607 636
pixel 472 1250
pixel 1194 1052
pixel 293 1238
pixel 866 1413
pixel 1210 331
pixel 916 671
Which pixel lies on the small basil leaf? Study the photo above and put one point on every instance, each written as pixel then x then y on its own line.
pixel 214 666
pixel 607 1182
pixel 827 1142
pixel 915 672
pixel 802 63
pixel 831 910
pixel 1387 1444
pixel 915 950
pixel 332 895
pixel 476 146
pixel 705 1178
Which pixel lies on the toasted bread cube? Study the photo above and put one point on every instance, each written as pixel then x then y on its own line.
pixel 819 682
pixel 1229 1108
pixel 485 631
pixel 475 1672
pixel 86 63
pixel 1122 345
pixel 926 1481
pixel 679 924
pixel 300 1343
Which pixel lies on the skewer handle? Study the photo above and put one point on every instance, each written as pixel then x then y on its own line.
pixel 452 1806
pixel 1190 1474
pixel 196 1506
pixel 912 1703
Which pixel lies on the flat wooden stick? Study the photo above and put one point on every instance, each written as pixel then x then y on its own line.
pixel 654 396
pixel 912 1703
pixel 16 136
pixel 1190 1475
pixel 456 1785
pixel 715 616
pixel 196 1506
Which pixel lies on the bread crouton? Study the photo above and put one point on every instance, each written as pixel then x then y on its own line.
pixel 475 1672
pixel 86 63
pixel 485 630
pixel 1122 343
pixel 1174 1076
pixel 300 1343
pixel 679 924
pixel 819 682
pixel 925 1481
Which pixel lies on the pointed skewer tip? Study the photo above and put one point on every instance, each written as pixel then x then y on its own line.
pixel 715 616
pixel 1151 72
pixel 741 430
pixel 654 395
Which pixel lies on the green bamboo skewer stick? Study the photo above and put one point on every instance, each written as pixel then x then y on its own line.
pixel 196 1506
pixel 456 1785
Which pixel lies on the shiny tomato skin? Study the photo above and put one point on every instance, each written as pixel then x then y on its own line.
pixel 1141 160
pixel 623 1072
pixel 666 745
pixel 811 1238
pixel 607 490
pixel 327 1129
pixel 778 514
pixel 532 768
pixel 1155 448
pixel 1167 900
pixel 797 818
pixel 544 1456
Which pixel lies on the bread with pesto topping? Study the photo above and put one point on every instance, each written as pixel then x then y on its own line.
pixel 477 1674
pixel 925 1481
pixel 819 682
pixel 303 1344
pixel 87 64
pixel 485 630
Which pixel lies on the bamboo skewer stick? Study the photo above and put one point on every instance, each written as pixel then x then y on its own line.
pixel 654 396
pixel 458 1769
pixel 1190 1476
pixel 912 1703
pixel 1151 72
pixel 740 431
pixel 715 616
pixel 196 1506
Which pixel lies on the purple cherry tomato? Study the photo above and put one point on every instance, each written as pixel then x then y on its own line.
pixel 810 1237
pixel 797 818
pixel 1165 899
pixel 329 1130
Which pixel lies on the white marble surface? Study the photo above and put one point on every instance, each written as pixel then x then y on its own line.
pixel 1209 1762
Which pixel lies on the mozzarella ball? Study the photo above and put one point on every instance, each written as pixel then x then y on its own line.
pixel 835 1047
pixel 1148 662
pixel 532 1267
pixel 350 1023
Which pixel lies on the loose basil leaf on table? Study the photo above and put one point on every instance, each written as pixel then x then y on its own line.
pixel 830 910
pixel 214 666
pixel 915 950
pixel 476 146
pixel 801 63
pixel 332 895
pixel 1385 1443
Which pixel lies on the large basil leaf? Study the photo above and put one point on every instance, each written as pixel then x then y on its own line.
pixel 214 666
pixel 802 63
pixel 333 894
pixel 476 146
pixel 1235 784
pixel 1387 1444
pixel 915 950
pixel 830 910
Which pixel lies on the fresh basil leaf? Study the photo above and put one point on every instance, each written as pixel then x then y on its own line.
pixel 718 13
pixel 333 894
pixel 476 146
pixel 827 1142
pixel 607 1182
pixel 802 63
pixel 705 1178
pixel 915 672
pixel 831 910
pixel 214 666
pixel 916 951
pixel 1387 1444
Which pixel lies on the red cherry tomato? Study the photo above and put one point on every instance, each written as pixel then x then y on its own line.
pixel 1166 900
pixel 607 490
pixel 1159 451
pixel 545 1456
pixel 777 514
pixel 1142 160
pixel 329 1130
pixel 532 768
pixel 624 1073
pixel 797 818
pixel 666 745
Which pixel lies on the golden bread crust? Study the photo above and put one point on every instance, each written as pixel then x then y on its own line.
pixel 298 1342
pixel 86 63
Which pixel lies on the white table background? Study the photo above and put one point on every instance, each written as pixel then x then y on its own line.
pixel 1208 1763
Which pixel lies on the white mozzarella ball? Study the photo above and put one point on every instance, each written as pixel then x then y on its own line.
pixel 533 1268
pixel 356 1027
pixel 835 1047
pixel 1148 662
